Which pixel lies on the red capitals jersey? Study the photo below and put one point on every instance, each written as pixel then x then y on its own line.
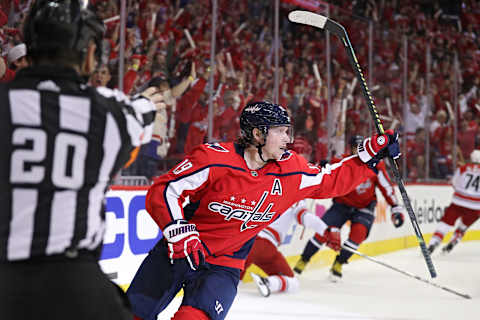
pixel 230 204
pixel 364 193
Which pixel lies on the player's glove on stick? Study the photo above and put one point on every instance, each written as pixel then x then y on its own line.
pixel 184 243
pixel 377 147
pixel 331 237
pixel 397 216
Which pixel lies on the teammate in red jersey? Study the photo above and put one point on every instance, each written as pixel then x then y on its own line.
pixel 234 191
pixel 465 204
pixel 358 207
pixel 266 256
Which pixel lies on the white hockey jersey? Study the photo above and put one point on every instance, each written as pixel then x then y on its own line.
pixel 298 213
pixel 466 182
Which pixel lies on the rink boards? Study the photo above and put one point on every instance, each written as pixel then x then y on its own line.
pixel 131 232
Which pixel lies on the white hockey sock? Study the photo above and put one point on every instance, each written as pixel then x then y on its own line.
pixel 440 232
pixel 283 284
pixel 434 240
pixel 461 226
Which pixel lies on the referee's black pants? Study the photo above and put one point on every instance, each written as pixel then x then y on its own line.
pixel 58 287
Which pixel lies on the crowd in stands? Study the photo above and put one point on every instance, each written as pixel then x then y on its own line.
pixel 168 44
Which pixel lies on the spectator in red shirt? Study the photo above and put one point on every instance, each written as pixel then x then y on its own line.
pixel 444 160
pixel 438 123
pixel 301 146
pixel 187 108
pixel 416 155
pixel 197 130
pixel 466 138
pixel 227 125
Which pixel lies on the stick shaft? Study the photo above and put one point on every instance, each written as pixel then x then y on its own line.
pixel 408 274
pixel 393 163
pixel 342 34
pixel 322 22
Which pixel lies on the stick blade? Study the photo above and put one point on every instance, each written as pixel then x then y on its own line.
pixel 308 18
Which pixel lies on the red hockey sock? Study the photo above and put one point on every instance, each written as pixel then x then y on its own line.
pixel 136 318
pixel 190 313
pixel 358 233
pixel 320 239
pixel 439 235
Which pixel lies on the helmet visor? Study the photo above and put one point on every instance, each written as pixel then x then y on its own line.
pixel 289 130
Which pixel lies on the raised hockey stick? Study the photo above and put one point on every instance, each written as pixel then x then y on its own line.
pixel 408 274
pixel 322 22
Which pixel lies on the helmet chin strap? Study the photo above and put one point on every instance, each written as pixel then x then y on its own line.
pixel 260 153
pixel 261 145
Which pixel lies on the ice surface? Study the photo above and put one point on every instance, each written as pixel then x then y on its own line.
pixel 369 291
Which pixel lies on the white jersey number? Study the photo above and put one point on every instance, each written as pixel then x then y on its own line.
pixel 69 156
pixel 30 141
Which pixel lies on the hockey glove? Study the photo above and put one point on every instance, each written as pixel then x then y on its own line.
pixel 377 147
pixel 331 237
pixel 397 216
pixel 184 243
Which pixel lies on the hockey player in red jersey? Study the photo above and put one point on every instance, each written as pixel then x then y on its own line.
pixel 357 207
pixel 465 204
pixel 266 256
pixel 234 190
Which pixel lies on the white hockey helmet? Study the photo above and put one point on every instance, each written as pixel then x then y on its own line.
pixel 475 156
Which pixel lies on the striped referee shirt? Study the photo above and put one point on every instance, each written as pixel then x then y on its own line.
pixel 62 143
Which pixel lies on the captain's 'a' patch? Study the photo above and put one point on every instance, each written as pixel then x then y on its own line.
pixel 276 187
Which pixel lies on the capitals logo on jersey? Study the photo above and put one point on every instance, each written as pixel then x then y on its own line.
pixel 363 187
pixel 244 212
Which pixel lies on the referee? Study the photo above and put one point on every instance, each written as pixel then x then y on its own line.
pixel 62 143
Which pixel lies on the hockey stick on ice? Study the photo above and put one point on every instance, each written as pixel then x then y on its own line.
pixel 322 22
pixel 408 274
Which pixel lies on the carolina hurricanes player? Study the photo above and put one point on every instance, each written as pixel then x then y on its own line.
pixel 358 207
pixel 266 256
pixel 235 190
pixel 465 204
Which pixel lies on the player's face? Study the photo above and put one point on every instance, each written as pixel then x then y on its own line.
pixel 277 140
pixel 353 149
